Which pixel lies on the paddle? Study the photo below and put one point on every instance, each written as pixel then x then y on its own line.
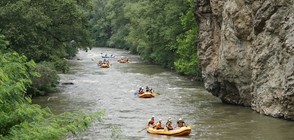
pixel 135 93
pixel 156 94
pixel 142 129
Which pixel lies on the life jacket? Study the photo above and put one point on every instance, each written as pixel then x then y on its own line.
pixel 147 89
pixel 180 123
pixel 140 91
pixel 169 125
pixel 151 121
pixel 158 125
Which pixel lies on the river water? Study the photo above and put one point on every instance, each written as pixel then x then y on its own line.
pixel 112 90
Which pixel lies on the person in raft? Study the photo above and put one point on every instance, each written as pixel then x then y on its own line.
pixel 151 122
pixel 158 125
pixel 181 123
pixel 151 90
pixel 168 124
pixel 141 90
pixel 147 89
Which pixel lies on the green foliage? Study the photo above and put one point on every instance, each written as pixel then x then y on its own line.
pixel 187 62
pixel 3 43
pixel 161 32
pixel 71 49
pixel 19 119
pixel 59 64
pixel 46 82
pixel 154 26
pixel 100 25
pixel 51 126
pixel 118 23
pixel 42 29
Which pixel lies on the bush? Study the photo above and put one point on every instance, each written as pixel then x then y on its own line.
pixel 59 64
pixel 47 80
pixel 19 118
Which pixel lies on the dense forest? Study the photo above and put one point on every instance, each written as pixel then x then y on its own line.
pixel 36 37
pixel 162 32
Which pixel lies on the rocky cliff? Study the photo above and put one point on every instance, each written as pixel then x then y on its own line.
pixel 246 50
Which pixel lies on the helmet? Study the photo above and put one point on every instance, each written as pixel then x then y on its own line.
pixel 152 116
pixel 160 120
pixel 180 119
pixel 169 118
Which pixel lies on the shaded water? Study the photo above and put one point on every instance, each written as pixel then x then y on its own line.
pixel 113 90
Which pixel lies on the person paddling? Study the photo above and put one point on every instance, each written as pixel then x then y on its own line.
pixel 158 125
pixel 181 123
pixel 147 89
pixel 169 124
pixel 141 90
pixel 151 122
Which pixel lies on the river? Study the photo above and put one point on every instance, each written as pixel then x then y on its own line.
pixel 112 90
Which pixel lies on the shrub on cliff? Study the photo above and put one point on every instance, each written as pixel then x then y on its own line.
pixel 187 61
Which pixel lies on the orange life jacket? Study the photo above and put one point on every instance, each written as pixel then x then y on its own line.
pixel 158 125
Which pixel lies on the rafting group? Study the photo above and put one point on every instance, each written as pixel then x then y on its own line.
pixel 141 90
pixel 179 130
pixel 123 60
pixel 148 93
pixel 104 64
pixel 108 56
pixel 153 128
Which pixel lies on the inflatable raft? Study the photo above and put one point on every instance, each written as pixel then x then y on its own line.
pixel 183 131
pixel 146 95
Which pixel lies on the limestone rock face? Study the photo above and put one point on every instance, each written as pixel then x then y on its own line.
pixel 246 51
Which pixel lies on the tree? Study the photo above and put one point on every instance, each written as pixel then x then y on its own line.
pixel 42 29
pixel 19 118
pixel 100 24
pixel 187 60
pixel 161 32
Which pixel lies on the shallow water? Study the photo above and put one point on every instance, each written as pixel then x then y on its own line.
pixel 113 90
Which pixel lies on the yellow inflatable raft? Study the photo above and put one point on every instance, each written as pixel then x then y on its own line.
pixel 104 65
pixel 146 95
pixel 183 131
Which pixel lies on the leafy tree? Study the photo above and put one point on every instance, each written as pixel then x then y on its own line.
pixel 118 23
pixel 162 32
pixel 154 27
pixel 100 24
pixel 187 62
pixel 46 82
pixel 42 29
pixel 46 30
pixel 19 118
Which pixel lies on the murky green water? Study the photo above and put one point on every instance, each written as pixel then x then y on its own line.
pixel 113 90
